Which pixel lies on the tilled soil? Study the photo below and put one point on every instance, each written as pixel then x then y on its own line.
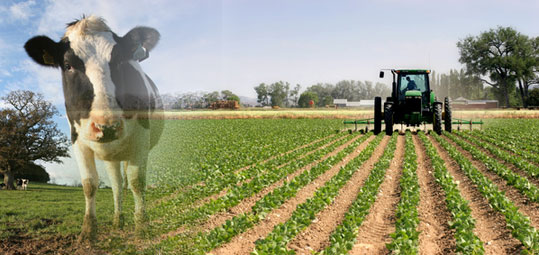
pixel 244 243
pixel 525 205
pixel 380 222
pixel 490 226
pixel 316 236
pixel 436 236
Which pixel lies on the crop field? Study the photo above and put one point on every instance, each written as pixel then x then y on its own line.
pixel 295 186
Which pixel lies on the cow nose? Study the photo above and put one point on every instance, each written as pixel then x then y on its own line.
pixel 106 131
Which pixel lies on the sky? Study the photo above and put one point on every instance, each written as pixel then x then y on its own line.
pixel 209 45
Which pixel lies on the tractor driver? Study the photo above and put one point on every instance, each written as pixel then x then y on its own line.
pixel 411 84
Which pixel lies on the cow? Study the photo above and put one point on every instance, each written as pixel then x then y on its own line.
pixel 113 108
pixel 22 184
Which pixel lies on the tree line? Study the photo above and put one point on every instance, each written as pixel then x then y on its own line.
pixel 196 100
pixel 321 94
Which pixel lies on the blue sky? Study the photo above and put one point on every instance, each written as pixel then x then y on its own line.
pixel 215 45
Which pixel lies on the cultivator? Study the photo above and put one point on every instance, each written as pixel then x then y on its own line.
pixel 364 125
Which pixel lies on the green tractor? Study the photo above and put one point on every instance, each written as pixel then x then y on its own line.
pixel 412 102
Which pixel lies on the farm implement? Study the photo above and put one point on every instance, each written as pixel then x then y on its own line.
pixel 412 103
pixel 364 125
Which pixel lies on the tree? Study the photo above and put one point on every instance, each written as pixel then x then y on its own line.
pixel 228 95
pixel 502 54
pixel 262 94
pixel 306 97
pixel 294 94
pixel 323 90
pixel 211 97
pixel 278 93
pixel 28 133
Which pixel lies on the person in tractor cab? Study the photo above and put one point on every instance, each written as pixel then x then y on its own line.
pixel 411 84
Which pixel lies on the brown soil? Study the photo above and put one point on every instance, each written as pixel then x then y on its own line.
pixel 380 222
pixel 316 236
pixel 490 226
pixel 244 243
pixel 436 236
pixel 525 205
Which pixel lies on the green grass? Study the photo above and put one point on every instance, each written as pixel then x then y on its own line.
pixel 46 210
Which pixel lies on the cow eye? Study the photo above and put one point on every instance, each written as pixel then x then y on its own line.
pixel 67 67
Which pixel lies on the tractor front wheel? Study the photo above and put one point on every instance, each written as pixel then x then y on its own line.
pixel 447 110
pixel 388 118
pixel 377 115
pixel 437 122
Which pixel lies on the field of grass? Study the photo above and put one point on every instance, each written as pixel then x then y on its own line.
pixel 276 186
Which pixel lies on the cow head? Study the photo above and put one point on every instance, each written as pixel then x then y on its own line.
pixel 104 86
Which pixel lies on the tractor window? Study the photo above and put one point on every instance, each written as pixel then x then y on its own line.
pixel 413 82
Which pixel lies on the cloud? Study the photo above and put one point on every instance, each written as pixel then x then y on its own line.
pixel 22 10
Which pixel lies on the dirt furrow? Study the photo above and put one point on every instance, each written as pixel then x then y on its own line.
pixel 510 166
pixel 436 236
pixel 316 236
pixel 244 243
pixel 525 205
pixel 187 188
pixel 246 205
pixel 380 222
pixel 490 225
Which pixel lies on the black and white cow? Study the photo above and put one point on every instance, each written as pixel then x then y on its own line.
pixel 113 107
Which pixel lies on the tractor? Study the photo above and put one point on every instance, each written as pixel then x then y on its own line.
pixel 412 102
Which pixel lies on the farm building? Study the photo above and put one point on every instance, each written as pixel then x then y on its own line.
pixel 463 103
pixel 346 103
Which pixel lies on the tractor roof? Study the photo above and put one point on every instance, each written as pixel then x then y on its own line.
pixel 419 71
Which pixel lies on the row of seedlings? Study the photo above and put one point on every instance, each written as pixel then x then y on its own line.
pixel 345 235
pixel 521 149
pixel 405 239
pixel 206 241
pixel 238 193
pixel 516 160
pixel 463 223
pixel 522 184
pixel 519 224
pixel 276 242
pixel 218 182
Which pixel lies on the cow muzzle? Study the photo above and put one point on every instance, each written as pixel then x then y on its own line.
pixel 105 130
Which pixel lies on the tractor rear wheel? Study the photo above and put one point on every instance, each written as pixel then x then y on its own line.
pixel 447 110
pixel 437 122
pixel 388 118
pixel 377 115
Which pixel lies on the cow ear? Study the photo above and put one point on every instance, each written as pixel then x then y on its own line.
pixel 147 37
pixel 44 51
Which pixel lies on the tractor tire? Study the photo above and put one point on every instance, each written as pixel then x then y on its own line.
pixel 447 110
pixel 377 115
pixel 437 122
pixel 388 118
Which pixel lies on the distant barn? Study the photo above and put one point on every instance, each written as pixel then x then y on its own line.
pixel 462 103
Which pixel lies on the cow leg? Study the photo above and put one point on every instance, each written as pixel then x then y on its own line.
pixel 136 175
pixel 115 177
pixel 90 182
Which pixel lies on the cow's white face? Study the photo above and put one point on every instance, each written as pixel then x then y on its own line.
pixel 106 92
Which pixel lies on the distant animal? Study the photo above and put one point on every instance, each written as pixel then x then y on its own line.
pixel 2 186
pixel 25 184
pixel 113 108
